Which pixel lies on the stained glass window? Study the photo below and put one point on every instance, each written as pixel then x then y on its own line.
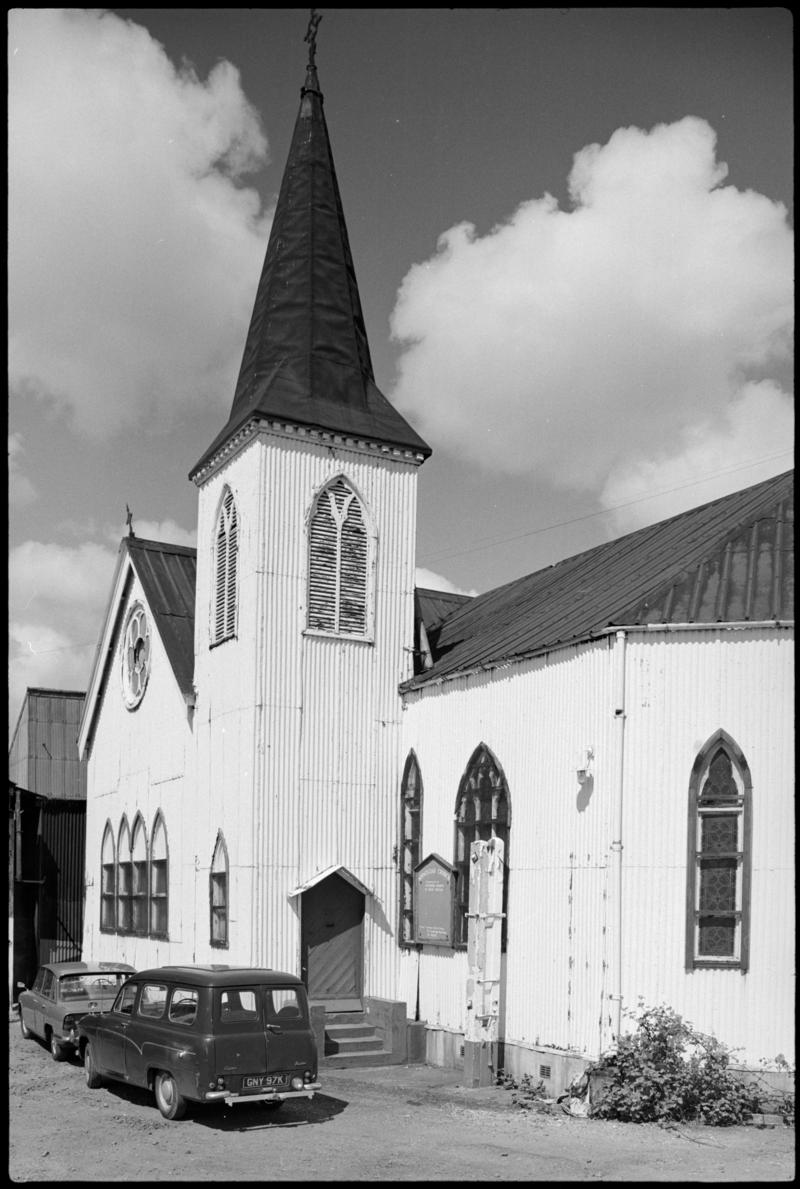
pixel 719 875
pixel 411 833
pixel 482 812
pixel 218 894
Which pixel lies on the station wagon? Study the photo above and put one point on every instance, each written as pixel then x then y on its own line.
pixel 64 991
pixel 205 1034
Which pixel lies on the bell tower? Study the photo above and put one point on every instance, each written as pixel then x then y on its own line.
pixel 305 592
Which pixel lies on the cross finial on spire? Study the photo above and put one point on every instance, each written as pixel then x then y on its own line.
pixel 129 521
pixel 311 36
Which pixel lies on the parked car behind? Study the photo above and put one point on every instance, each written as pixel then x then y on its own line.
pixel 205 1034
pixel 62 992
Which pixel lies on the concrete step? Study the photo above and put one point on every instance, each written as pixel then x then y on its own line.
pixel 352 1044
pixel 337 1031
pixel 358 1060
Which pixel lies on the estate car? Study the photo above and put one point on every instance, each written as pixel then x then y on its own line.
pixel 205 1034
pixel 64 991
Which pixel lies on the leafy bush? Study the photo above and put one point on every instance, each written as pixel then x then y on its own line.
pixel 666 1071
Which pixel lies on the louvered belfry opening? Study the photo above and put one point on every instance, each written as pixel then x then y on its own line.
pixel 338 563
pixel 225 570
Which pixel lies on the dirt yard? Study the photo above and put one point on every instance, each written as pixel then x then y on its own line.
pixel 367 1125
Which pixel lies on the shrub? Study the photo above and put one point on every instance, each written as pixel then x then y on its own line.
pixel 666 1071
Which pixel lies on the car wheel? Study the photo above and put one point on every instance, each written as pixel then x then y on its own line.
pixel 24 1029
pixel 93 1079
pixel 170 1101
pixel 57 1050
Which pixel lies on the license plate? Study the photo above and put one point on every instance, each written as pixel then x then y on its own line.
pixel 265 1081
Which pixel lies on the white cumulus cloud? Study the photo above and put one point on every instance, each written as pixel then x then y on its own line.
pixel 567 343
pixel 134 247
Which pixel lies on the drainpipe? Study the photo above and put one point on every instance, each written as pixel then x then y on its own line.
pixel 616 844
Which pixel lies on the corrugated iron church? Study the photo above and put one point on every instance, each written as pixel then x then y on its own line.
pixel 280 729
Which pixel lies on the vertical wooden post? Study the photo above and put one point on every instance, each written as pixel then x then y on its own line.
pixel 484 932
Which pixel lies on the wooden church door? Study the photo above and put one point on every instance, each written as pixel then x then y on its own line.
pixel 332 944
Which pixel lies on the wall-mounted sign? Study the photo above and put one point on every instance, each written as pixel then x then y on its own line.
pixel 434 884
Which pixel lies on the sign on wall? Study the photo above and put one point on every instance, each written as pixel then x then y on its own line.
pixel 434 885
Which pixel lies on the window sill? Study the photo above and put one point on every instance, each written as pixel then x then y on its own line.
pixel 319 634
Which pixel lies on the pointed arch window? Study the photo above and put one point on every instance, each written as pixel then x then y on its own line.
pixel 226 560
pixel 218 894
pixel 124 878
pixel 719 857
pixel 483 811
pixel 108 882
pixel 338 563
pixel 159 879
pixel 410 843
pixel 139 877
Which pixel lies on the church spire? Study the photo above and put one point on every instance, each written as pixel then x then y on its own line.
pixel 306 357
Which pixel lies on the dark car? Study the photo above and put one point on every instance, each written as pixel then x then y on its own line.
pixel 63 992
pixel 205 1034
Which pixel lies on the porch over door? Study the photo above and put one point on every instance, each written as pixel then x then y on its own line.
pixel 333 944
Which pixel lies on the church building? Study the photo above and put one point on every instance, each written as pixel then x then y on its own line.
pixel 284 736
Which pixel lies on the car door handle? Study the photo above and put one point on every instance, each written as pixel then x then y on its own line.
pixel 273 1028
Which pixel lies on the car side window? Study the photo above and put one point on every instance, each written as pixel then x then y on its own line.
pixel 183 1006
pixel 124 1001
pixel 37 986
pixel 153 1000
pixel 48 983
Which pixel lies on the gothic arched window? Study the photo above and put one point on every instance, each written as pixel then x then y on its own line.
pixel 108 882
pixel 483 811
pixel 139 874
pixel 218 894
pixel 410 841
pixel 338 563
pixel 124 878
pixel 226 550
pixel 159 879
pixel 718 861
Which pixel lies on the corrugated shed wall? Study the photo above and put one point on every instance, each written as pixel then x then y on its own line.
pixel 538 718
pixel 43 756
pixel 63 842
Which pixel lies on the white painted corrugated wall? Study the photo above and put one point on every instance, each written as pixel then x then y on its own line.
pixel 318 718
pixel 538 718
pixel 681 689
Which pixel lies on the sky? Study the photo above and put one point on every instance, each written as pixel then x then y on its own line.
pixel 573 236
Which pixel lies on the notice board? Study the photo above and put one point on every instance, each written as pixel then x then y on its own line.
pixel 434 884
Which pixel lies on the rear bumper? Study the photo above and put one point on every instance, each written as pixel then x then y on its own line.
pixel 232 1097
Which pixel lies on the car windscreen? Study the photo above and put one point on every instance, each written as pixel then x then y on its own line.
pixel 243 1009
pixel 90 984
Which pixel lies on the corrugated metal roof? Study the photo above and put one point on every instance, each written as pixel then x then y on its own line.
pixel 726 561
pixel 306 358
pixel 434 606
pixel 168 575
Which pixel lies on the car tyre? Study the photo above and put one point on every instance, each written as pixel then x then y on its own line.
pixel 57 1050
pixel 93 1079
pixel 169 1099
pixel 24 1029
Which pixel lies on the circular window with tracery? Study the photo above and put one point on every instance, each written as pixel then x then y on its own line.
pixel 135 656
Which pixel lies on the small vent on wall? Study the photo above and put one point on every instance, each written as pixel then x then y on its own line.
pixel 544 1071
pixel 461 1050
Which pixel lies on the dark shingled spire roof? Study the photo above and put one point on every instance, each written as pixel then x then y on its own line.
pixel 306 359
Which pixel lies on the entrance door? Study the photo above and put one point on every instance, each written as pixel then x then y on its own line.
pixel 333 944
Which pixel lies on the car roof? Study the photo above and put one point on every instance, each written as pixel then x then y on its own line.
pixel 221 976
pixel 59 968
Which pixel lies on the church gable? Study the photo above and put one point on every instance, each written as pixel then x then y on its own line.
pixel 148 632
